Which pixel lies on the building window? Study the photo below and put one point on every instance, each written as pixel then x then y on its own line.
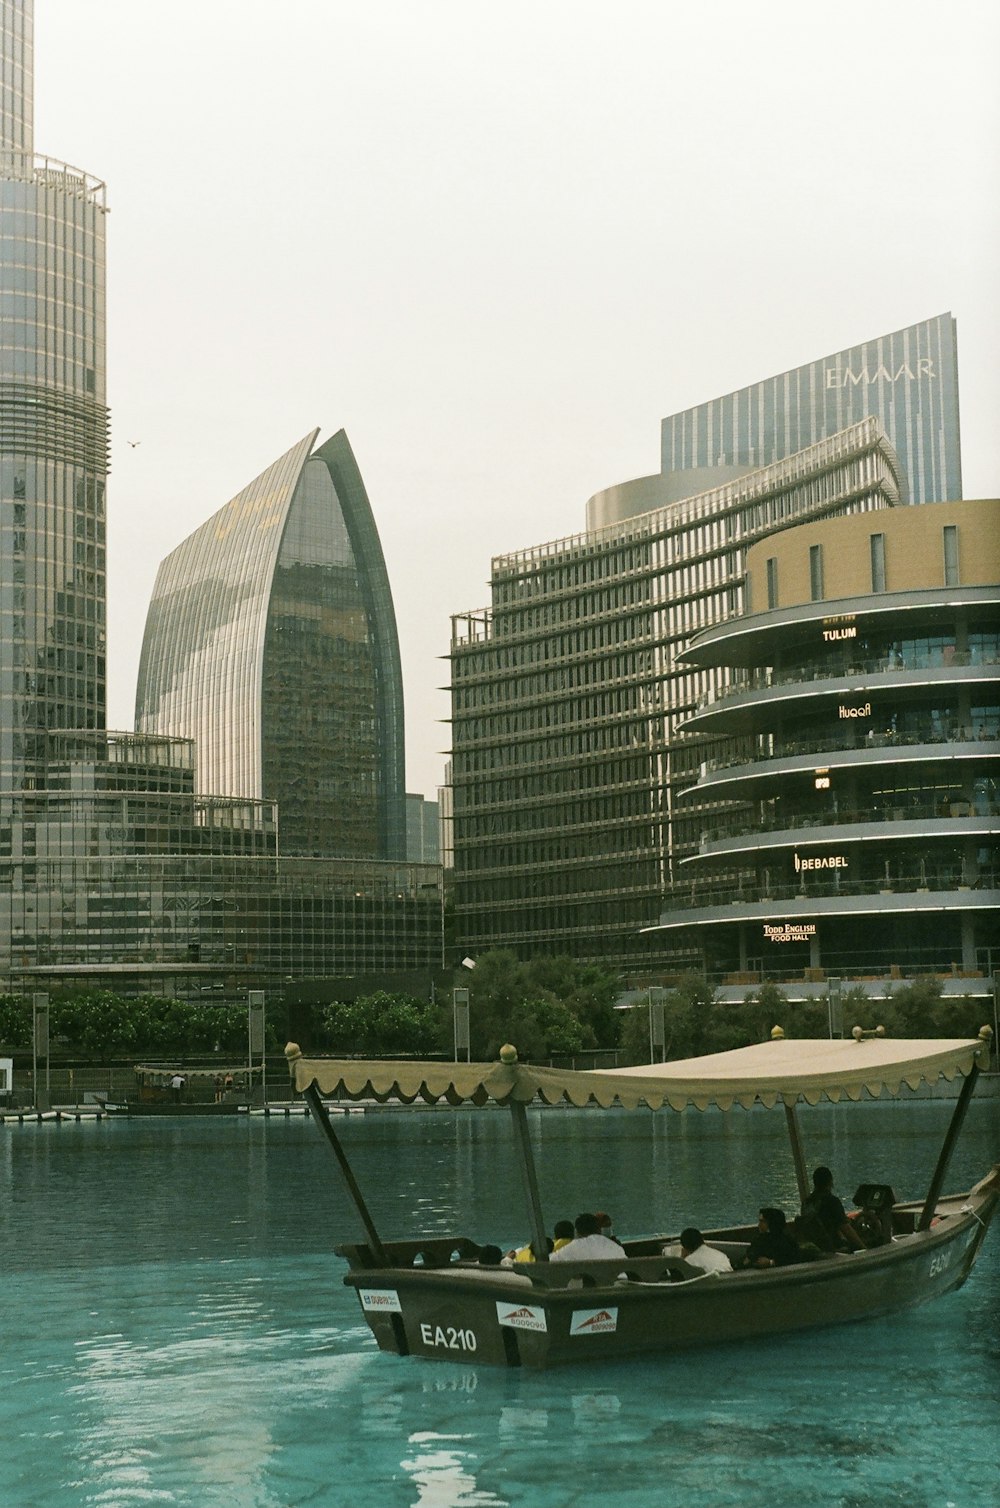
pixel 951 555
pixel 816 572
pixel 772 582
pixel 878 562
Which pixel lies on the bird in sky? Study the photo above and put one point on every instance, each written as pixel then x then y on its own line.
pixel 134 443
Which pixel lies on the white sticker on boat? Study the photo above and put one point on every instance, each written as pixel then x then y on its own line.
pixel 593 1321
pixel 373 1299
pixel 521 1316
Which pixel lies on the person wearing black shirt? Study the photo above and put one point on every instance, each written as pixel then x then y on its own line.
pixel 772 1246
pixel 825 1219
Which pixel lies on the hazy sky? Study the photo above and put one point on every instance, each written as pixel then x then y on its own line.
pixel 497 244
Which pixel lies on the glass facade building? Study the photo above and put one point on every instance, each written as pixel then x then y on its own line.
pixel 271 641
pixel 568 693
pixel 907 380
pixel 116 868
pixel 53 430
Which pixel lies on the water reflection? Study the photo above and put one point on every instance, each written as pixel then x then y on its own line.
pixel 185 1338
pixel 444 1474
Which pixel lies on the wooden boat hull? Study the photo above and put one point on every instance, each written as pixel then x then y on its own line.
pixel 545 1314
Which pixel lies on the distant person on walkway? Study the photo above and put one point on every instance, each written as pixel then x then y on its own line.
pixel 588 1244
pixel 697 1254
pixel 227 1084
pixel 176 1085
pixel 772 1246
pixel 824 1218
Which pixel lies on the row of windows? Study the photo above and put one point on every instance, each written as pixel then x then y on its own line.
pixel 877 553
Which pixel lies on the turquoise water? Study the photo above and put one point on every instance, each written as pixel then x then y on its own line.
pixel 173 1329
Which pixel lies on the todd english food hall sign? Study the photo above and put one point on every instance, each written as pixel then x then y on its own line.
pixel 790 932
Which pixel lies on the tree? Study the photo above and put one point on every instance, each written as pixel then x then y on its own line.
pixel 15 1022
pixel 382 1025
pixel 541 1028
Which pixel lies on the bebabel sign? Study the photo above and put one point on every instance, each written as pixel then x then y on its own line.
pixel 821 861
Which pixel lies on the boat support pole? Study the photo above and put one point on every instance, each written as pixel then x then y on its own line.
pixel 937 1182
pixel 321 1116
pixel 523 1142
pixel 798 1156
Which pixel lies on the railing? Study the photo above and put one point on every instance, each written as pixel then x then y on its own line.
pixel 849 817
pixel 804 674
pixel 49 172
pixel 698 894
pixel 830 743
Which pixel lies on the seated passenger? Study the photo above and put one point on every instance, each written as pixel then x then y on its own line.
pixel 697 1254
pixel 588 1245
pixel 525 1253
pixel 772 1246
pixel 563 1233
pixel 825 1219
pixel 604 1225
pixel 489 1256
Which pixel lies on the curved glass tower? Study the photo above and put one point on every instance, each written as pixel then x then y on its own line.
pixel 271 641
pixel 53 429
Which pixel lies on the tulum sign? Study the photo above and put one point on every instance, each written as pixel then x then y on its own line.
pixel 839 628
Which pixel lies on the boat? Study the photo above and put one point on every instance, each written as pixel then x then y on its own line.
pixel 433 1298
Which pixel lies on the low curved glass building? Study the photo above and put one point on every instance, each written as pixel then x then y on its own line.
pixel 850 827
pixel 271 642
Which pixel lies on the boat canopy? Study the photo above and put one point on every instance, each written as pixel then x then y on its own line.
pixel 215 1072
pixel 767 1072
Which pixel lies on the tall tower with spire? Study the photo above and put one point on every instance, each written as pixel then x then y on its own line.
pixel 53 428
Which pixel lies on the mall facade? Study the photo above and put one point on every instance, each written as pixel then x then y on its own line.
pixel 850 827
pixel 568 764
pixel 575 760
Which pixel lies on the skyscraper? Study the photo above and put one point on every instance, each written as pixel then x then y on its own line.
pixel 115 868
pixel 271 641
pixel 53 429
pixel 907 380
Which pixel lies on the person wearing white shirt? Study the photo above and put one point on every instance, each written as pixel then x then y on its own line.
pixel 697 1254
pixel 588 1245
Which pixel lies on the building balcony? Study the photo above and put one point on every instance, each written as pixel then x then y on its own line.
pixel 960 819
pixel 874 752
pixel 713 903
pixel 758 638
pixel 765 691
